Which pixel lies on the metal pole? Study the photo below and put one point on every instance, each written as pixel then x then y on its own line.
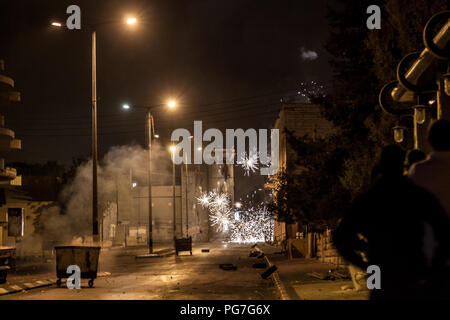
pixel 150 216
pixel 416 136
pixel 117 201
pixel 95 235
pixel 187 208
pixel 173 201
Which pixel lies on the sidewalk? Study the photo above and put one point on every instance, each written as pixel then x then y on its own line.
pixel 31 275
pixel 301 286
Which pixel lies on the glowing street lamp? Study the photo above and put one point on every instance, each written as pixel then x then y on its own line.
pixel 57 24
pixel 172 104
pixel 131 20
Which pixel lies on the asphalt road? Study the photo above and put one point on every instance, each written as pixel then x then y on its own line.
pixel 184 277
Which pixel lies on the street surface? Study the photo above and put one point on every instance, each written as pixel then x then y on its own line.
pixel 183 277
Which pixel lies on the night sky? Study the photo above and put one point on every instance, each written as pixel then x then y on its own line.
pixel 227 63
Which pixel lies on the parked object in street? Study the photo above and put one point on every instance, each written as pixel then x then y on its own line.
pixel 183 244
pixel 86 258
pixel 7 262
pixel 228 266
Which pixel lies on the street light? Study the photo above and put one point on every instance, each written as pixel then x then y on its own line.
pixel 95 228
pixel 149 134
pixel 172 104
pixel 420 113
pixel 131 20
pixel 399 134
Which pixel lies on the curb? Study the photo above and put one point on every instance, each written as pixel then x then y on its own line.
pixel 276 280
pixel 13 288
pixel 24 286
pixel 161 254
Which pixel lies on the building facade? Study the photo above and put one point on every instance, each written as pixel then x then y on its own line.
pixel 8 176
pixel 302 119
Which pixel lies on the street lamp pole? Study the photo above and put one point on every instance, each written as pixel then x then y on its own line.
pixel 150 216
pixel 187 208
pixel 95 220
pixel 149 134
pixel 173 198
pixel 95 233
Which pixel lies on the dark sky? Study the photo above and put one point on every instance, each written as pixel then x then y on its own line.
pixel 211 55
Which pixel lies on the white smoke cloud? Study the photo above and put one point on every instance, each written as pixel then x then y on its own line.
pixel 308 55
pixel 71 217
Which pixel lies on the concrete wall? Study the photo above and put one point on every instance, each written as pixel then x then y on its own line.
pixel 192 187
pixel 302 119
pixel 162 211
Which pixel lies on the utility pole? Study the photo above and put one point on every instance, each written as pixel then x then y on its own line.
pixel 187 207
pixel 150 216
pixel 173 201
pixel 95 234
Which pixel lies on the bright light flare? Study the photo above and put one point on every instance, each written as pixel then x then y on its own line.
pixel 171 104
pixel 131 20
pixel 126 106
pixel 57 24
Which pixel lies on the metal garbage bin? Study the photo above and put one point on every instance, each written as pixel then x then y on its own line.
pixel 183 244
pixel 86 258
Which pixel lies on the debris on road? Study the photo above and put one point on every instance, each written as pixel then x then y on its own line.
pixel 228 266
pixel 269 271
pixel 260 265
pixel 330 275
pixel 205 250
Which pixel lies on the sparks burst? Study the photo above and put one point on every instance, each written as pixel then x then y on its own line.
pixel 249 162
pixel 251 224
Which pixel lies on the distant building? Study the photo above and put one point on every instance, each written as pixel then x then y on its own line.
pixel 203 178
pixel 302 119
pixel 192 219
pixel 8 176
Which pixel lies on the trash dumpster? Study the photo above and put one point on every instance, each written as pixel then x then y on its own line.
pixel 183 244
pixel 7 262
pixel 86 258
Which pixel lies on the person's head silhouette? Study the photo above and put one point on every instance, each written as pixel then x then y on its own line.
pixel 391 161
pixel 439 135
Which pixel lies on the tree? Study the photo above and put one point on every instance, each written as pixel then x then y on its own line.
pixel 335 170
pixel 309 191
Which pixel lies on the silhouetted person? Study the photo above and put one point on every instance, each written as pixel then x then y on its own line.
pixel 414 156
pixel 388 224
pixel 433 174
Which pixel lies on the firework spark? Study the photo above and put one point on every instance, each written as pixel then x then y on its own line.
pixel 249 224
pixel 249 162
pixel 218 204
